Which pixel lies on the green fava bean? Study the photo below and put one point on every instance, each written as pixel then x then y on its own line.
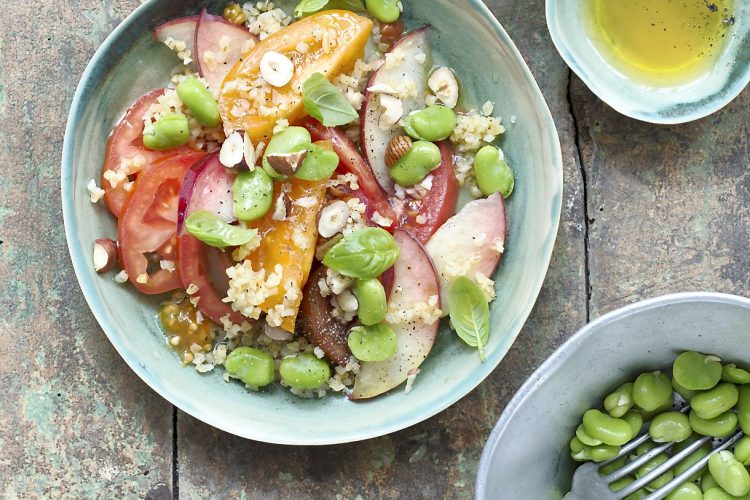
pixel 743 407
pixel 493 172
pixel 252 366
pixel 609 430
pixel 729 473
pixel 304 371
pixel 612 466
pixel 635 420
pixel 652 390
pixel 721 426
pixel 638 495
pixel 578 450
pixel 716 493
pixel 714 402
pixel 289 140
pixel 732 373
pixel 252 195
pixel 373 304
pixel 742 450
pixel 414 166
pixel 207 227
pixel 200 102
pixel 686 394
pixel 433 123
pixel 168 132
pixel 708 482
pixel 667 406
pixel 319 164
pixel 372 343
pixel 686 491
pixel 670 427
pixel 691 459
pixel 696 371
pixel 619 401
pixel 585 438
pixel 651 465
pixel 603 452
pixel 621 483
pixel 385 11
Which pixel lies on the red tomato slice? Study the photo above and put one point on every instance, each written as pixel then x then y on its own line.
pixel 370 192
pixel 147 230
pixel 124 147
pixel 439 203
pixel 201 265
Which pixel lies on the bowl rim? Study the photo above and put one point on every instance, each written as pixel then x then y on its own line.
pixel 605 95
pixel 566 350
pixel 85 282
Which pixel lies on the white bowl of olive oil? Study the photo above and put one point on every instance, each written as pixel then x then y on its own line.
pixel 660 61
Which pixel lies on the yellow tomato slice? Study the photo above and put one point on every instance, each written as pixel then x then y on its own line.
pixel 329 42
pixel 289 243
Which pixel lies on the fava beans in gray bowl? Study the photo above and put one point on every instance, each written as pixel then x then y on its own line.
pixel 528 454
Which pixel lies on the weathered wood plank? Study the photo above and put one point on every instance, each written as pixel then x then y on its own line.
pixel 437 458
pixel 75 421
pixel 668 205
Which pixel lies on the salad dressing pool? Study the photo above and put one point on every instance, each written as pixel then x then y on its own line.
pixel 663 43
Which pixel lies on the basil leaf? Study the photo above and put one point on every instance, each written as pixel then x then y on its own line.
pixel 307 7
pixel 364 254
pixel 326 103
pixel 469 313
pixel 319 164
pixel 211 230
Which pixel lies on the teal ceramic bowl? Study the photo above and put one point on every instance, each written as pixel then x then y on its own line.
pixel 729 75
pixel 130 63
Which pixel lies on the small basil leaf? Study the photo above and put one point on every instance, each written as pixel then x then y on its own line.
pixel 364 254
pixel 213 231
pixel 307 7
pixel 469 313
pixel 319 164
pixel 372 343
pixel 326 103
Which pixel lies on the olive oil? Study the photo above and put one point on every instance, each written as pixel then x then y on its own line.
pixel 661 42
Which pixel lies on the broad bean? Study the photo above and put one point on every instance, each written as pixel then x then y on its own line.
pixel 493 173
pixel 652 390
pixel 609 430
pixel 304 371
pixel 252 195
pixel 734 374
pixel 686 491
pixel 670 427
pixel 720 426
pixel 686 394
pixel 651 465
pixel 743 407
pixel 742 450
pixel 373 343
pixel 199 100
pixel 167 132
pixel 729 473
pixel 373 304
pixel 714 402
pixel 385 11
pixel 414 166
pixel 252 366
pixel 433 123
pixel 696 371
pixel 635 420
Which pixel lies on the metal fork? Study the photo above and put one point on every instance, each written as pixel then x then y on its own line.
pixel 588 484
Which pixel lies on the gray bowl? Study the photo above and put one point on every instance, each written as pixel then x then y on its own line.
pixel 527 455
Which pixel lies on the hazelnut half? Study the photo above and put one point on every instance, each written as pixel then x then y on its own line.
pixel 397 147
pixel 105 255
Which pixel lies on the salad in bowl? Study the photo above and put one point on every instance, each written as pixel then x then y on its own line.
pixel 293 195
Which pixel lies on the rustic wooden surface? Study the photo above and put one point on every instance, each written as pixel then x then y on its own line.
pixel 647 210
